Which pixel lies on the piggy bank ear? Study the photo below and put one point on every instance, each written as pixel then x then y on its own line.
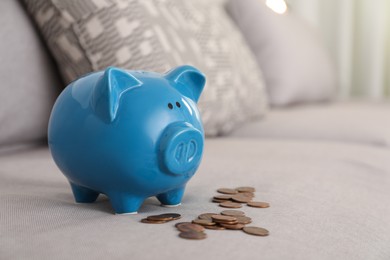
pixel 189 81
pixel 108 90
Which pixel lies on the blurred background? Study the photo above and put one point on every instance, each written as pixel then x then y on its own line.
pixel 357 34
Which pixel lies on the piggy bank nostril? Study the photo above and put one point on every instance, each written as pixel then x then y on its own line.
pixel 191 150
pixel 179 152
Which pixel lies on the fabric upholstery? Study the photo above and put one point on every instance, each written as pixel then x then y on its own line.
pixel 328 201
pixel 153 35
pixel 296 66
pixel 29 82
pixel 354 121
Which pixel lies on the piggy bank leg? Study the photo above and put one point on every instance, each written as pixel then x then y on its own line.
pixel 125 203
pixel 82 194
pixel 171 198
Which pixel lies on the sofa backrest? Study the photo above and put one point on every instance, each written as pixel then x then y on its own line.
pixel 29 82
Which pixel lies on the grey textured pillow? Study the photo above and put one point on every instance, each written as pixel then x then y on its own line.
pixel 29 82
pixel 296 66
pixel 156 35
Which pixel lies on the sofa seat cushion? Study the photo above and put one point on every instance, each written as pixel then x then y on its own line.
pixel 328 201
pixel 354 121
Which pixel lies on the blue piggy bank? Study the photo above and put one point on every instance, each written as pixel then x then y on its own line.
pixel 129 135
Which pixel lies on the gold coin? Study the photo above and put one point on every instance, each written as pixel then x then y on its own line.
pixel 203 222
pixel 258 204
pixel 232 212
pixel 187 227
pixel 216 227
pixel 227 191
pixel 246 189
pixel 192 235
pixel 222 197
pixel 240 198
pixel 244 220
pixel 206 216
pixel 230 204
pixel 148 221
pixel 234 226
pixel 257 231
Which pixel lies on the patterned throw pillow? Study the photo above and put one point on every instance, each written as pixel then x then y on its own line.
pixel 157 35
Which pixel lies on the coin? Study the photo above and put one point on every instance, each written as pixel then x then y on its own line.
pixel 229 204
pixel 174 216
pixel 218 200
pixel 233 213
pixel 234 226
pixel 216 227
pixel 192 235
pixel 257 231
pixel 203 222
pixel 246 189
pixel 179 223
pixel 243 220
pixel 240 198
pixel 145 220
pixel 206 216
pixel 222 218
pixel 187 227
pixel 222 197
pixel 227 222
pixel 232 222
pixel 166 217
pixel 247 194
pixel 157 218
pixel 258 204
pixel 227 191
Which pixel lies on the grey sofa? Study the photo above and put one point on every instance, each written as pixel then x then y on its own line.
pixel 325 170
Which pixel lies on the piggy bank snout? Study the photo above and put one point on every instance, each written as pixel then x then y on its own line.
pixel 181 148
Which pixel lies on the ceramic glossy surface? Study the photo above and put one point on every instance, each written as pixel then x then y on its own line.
pixel 129 135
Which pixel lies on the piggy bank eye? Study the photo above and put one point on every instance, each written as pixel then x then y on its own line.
pixel 178 104
pixel 170 106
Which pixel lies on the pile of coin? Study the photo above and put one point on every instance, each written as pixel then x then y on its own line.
pixel 234 198
pixel 229 219
pixel 160 219
pixel 190 230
